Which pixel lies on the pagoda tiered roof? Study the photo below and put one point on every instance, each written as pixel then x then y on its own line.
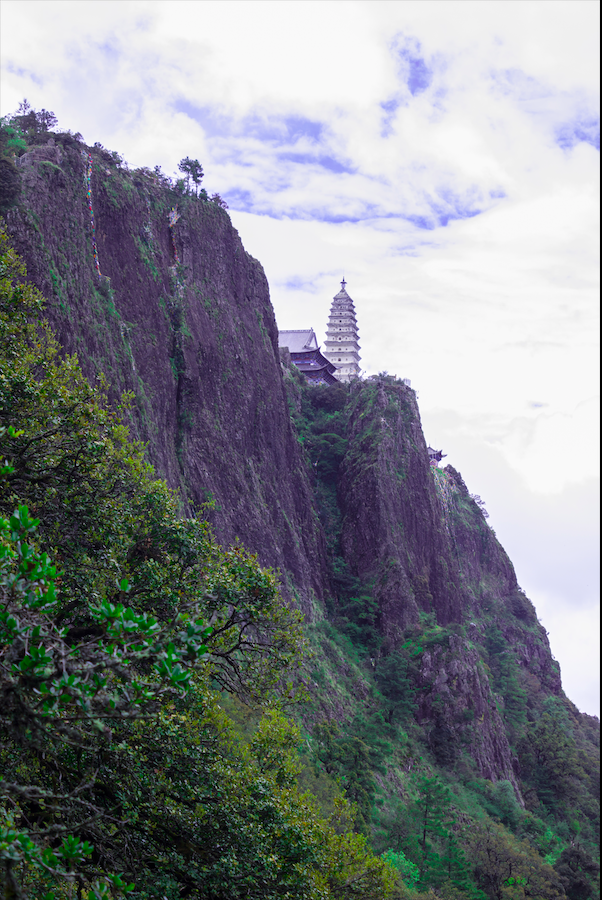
pixel 305 354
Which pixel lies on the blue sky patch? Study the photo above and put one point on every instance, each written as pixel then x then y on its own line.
pixel 278 130
pixel 24 73
pixel 298 127
pixel 327 162
pixel 427 224
pixel 297 283
pixel 517 83
pixel 420 75
pixel 586 130
pixel 448 209
pixel 389 107
pixel 110 50
pixel 241 200
pixel 454 207
pixel 414 70
pixel 212 123
pixel 339 219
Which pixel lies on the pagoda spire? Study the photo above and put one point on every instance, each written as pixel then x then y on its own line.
pixel 342 341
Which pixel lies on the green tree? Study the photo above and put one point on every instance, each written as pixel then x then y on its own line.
pixel 505 800
pixel 10 184
pixel 507 869
pixel 549 760
pixel 57 689
pixel 506 674
pixel 193 170
pixel 578 873
pixel 454 869
pixel 431 812
pixel 34 121
pixel 347 757
pixel 394 678
pixel 12 139
pixel 216 198
pixel 408 871
pixel 326 453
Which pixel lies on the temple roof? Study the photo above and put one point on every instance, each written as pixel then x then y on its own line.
pixel 310 361
pixel 320 370
pixel 298 341
pixel 435 454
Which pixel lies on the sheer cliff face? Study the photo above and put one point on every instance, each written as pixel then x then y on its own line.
pixel 393 531
pixel 415 535
pixel 460 710
pixel 190 330
pixel 421 542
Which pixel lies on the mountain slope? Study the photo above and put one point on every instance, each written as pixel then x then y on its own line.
pixel 429 662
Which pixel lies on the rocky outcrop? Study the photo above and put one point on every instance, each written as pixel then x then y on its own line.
pixel 185 325
pixel 460 712
pixel 422 545
pixel 393 533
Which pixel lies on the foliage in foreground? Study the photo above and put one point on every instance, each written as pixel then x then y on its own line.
pixel 121 627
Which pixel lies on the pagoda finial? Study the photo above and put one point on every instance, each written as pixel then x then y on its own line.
pixel 343 283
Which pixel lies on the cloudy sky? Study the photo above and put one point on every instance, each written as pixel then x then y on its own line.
pixel 443 156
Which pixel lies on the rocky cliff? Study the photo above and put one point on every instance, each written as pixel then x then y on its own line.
pixel 181 317
pixel 154 289
pixel 393 529
pixel 440 584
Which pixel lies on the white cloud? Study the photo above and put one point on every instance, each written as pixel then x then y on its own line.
pixel 574 636
pixel 553 450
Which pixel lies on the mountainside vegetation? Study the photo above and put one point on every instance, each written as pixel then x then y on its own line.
pixel 252 645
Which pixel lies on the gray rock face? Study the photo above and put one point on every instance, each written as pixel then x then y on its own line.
pixel 51 152
pixel 393 526
pixel 195 341
pixel 459 707
pixel 421 542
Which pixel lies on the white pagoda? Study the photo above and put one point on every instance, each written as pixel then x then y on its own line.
pixel 341 346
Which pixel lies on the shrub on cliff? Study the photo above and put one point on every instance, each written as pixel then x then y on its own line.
pixel 10 184
pixel 193 171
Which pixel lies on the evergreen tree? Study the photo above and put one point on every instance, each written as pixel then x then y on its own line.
pixel 432 816
pixel 578 873
pixel 193 170
pixel 393 676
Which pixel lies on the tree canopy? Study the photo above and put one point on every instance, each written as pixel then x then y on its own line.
pixel 193 171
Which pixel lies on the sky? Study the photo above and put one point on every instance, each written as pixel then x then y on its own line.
pixel 442 157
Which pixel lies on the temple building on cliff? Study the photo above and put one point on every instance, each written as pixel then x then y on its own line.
pixel 435 456
pixel 341 345
pixel 305 354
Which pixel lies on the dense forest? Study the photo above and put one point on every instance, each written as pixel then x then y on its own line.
pixel 252 645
